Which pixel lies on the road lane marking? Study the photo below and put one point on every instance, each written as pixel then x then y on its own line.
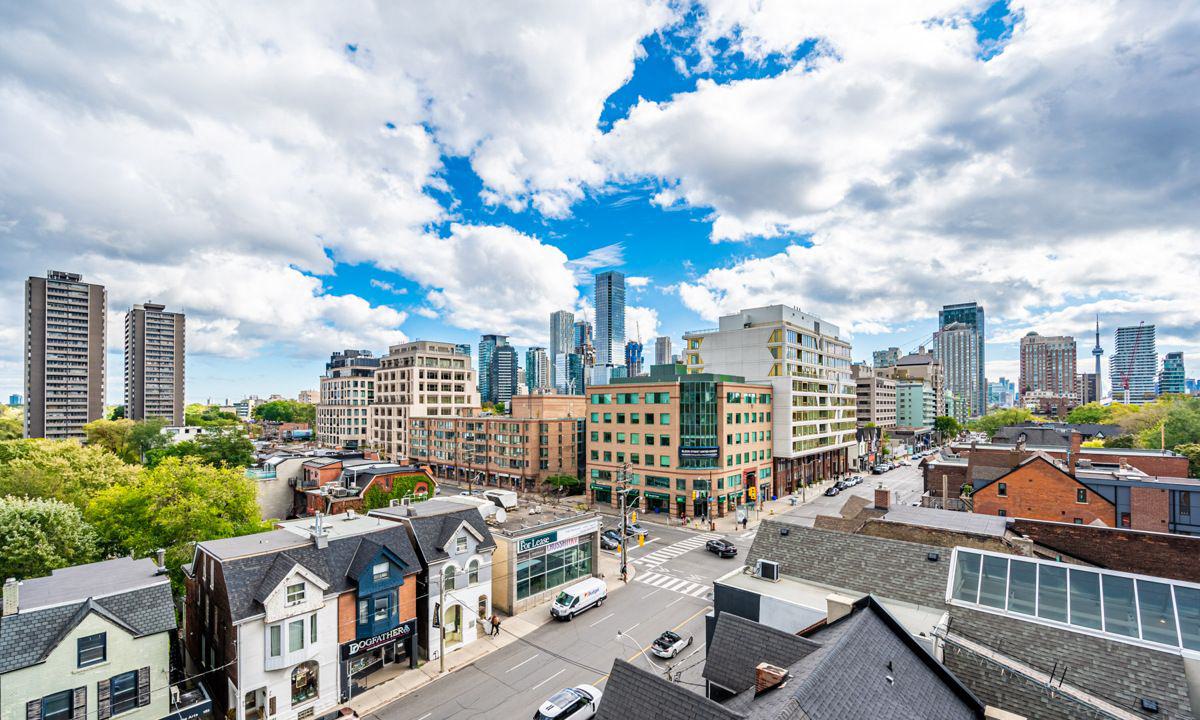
pixel 601 620
pixel 631 658
pixel 651 593
pixel 626 630
pixel 678 599
pixel 560 672
pixel 424 716
pixel 514 667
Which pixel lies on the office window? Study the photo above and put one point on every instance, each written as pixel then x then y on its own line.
pixel 1081 495
pixel 664 440
pixel 1002 489
pixel 92 649
pixel 295 593
pixel 664 418
pixel 664 461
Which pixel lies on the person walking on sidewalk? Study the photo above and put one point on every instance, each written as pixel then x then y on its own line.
pixel 495 625
pixel 745 521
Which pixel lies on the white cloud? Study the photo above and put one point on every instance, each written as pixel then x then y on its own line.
pixel 388 287
pixel 643 321
pixel 637 281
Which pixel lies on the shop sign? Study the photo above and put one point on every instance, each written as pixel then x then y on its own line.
pixel 699 452
pixel 536 541
pixel 569 542
pixel 400 632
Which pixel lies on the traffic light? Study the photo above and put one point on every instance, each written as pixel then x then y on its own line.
pixel 752 492
pixel 633 517
pixel 641 539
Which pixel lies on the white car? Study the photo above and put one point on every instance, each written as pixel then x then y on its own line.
pixel 670 644
pixel 573 703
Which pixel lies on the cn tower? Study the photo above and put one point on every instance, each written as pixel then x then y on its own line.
pixel 1097 352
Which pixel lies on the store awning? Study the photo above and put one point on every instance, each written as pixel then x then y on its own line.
pixel 657 495
pixel 598 486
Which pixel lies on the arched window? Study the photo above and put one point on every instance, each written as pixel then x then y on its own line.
pixel 448 578
pixel 473 572
pixel 304 682
pixel 483 607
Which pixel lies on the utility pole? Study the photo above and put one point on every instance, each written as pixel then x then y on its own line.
pixel 441 621
pixel 622 479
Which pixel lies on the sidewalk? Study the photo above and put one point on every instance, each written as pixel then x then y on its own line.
pixel 512 629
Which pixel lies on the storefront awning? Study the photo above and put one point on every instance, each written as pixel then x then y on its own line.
pixel 656 495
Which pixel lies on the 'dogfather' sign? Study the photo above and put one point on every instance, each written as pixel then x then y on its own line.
pixel 356 647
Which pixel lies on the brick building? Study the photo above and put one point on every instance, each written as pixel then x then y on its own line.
pixel 1041 490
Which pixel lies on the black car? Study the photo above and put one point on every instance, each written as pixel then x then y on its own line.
pixel 721 548
pixel 610 539
pixel 843 484
pixel 833 490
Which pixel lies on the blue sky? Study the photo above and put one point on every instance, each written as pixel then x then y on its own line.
pixel 337 179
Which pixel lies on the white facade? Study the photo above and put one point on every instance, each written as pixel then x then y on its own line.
pixel 466 577
pixel 1135 363
pixel 804 360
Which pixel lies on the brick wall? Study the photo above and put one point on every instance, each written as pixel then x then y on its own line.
pixel 408 598
pixel 1150 509
pixel 346 617
pixel 1043 492
pixel 1130 551
pixel 955 476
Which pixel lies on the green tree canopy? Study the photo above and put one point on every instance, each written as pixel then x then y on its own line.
pixel 59 469
pixel 116 412
pixel 225 447
pixel 565 484
pixel 1192 452
pixel 993 421
pixel 291 411
pixel 114 436
pixel 946 426
pixel 11 428
pixel 178 502
pixel 1092 412
pixel 207 416
pixel 41 535
pixel 148 435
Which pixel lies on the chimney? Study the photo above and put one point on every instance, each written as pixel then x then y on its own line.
pixel 12 596
pixel 160 559
pixel 767 676
pixel 1124 463
pixel 319 535
pixel 1073 455
pixel 883 498
pixel 837 607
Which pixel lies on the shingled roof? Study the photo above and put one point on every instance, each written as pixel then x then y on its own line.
pixel 632 694
pixel 52 606
pixel 739 645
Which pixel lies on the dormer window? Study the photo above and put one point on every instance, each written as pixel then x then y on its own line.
pixel 460 543
pixel 380 572
pixel 295 594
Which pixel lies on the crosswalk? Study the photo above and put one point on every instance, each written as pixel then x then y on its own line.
pixel 666 582
pixel 662 555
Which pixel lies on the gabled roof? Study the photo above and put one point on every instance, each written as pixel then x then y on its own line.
pixel 434 532
pixel 1037 457
pixel 739 645
pixel 29 637
pixel 247 576
pixel 632 693
pixel 280 569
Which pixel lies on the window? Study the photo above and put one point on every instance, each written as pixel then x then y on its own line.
pixel 1081 495
pixel 122 691
pixel 1022 586
pixel 1085 599
pixel 295 594
pixel 460 543
pixel 1052 593
pixel 473 572
pixel 380 571
pixel 59 706
pixel 1157 612
pixel 1002 489
pixel 276 641
pixel 1002 512
pixel 304 682
pixel 92 649
pixel 664 461
pixel 295 636
pixel 1120 614
pixel 1185 503
pixel 312 628
pixel 382 607
pixel 448 578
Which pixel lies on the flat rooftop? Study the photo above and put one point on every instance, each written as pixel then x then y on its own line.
pixel 94 580
pixel 977 524
pixel 256 544
pixel 524 520
pixel 336 526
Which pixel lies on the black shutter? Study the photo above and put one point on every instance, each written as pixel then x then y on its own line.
pixel 33 710
pixel 104 700
pixel 143 686
pixel 79 711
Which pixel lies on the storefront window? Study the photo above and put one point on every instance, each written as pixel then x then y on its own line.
pixel 304 682
pixel 538 571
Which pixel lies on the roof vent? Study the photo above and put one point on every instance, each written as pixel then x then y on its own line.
pixel 767 570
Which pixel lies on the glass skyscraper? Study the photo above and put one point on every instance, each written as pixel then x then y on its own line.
pixel 610 318
pixel 562 331
pixel 1134 365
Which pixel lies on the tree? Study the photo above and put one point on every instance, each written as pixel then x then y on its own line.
pixel 59 469
pixel 11 428
pixel 565 484
pixel 946 426
pixel 170 506
pixel 1092 412
pixel 291 411
pixel 208 416
pixel 1119 441
pixel 1192 452
pixel 148 435
pixel 116 412
pixel 113 436
pixel 225 447
pixel 993 421
pixel 42 535
pixel 402 486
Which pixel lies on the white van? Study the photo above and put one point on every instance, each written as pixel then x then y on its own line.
pixel 579 597
pixel 506 499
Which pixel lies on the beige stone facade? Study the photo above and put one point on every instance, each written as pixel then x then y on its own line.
pixel 346 393
pixel 419 379
pixel 876 398
pixel 689 446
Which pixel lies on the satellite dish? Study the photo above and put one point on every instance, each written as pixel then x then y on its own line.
pixel 500 515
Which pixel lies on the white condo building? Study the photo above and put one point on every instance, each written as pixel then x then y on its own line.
pixel 419 379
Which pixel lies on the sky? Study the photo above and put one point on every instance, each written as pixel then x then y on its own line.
pixel 358 174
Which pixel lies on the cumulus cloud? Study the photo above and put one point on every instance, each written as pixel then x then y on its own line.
pixel 641 321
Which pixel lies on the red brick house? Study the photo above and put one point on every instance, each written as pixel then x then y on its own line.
pixel 1040 489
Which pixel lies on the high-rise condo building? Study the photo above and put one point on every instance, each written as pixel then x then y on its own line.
pixel 662 350
pixel 807 364
pixel 419 379
pixel 502 374
pixel 562 337
pixel 959 345
pixel 610 317
pixel 487 346
pixel 885 358
pixel 347 393
pixel 537 369
pixel 1172 379
pixel 584 342
pixel 633 358
pixel 64 354
pixel 1048 365
pixel 1134 366
pixel 568 374
pixel 922 366
pixel 1087 387
pixel 876 398
pixel 464 348
pixel 154 364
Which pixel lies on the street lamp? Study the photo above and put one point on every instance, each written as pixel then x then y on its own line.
pixel 641 650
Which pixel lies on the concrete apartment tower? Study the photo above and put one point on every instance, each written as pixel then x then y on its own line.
pixel 154 363
pixel 562 337
pixel 959 345
pixel 662 350
pixel 347 392
pixel 610 318
pixel 65 345
pixel 1048 364
pixel 807 364
pixel 418 379
pixel 1133 368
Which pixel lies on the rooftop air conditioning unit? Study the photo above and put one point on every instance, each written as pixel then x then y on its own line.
pixel 767 570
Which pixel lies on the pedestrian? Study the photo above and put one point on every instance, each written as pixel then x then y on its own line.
pixel 495 625
pixel 745 521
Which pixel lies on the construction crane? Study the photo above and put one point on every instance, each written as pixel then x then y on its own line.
pixel 1137 342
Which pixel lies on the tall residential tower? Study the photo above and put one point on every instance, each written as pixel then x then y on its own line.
pixel 1134 365
pixel 959 345
pixel 610 318
pixel 154 363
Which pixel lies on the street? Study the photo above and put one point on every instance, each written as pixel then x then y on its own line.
pixel 516 679
pixel 905 482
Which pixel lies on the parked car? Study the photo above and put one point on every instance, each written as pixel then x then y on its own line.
pixel 670 644
pixel 879 469
pixel 833 490
pixel 843 484
pixel 610 539
pixel 721 548
pixel 573 703
pixel 633 529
